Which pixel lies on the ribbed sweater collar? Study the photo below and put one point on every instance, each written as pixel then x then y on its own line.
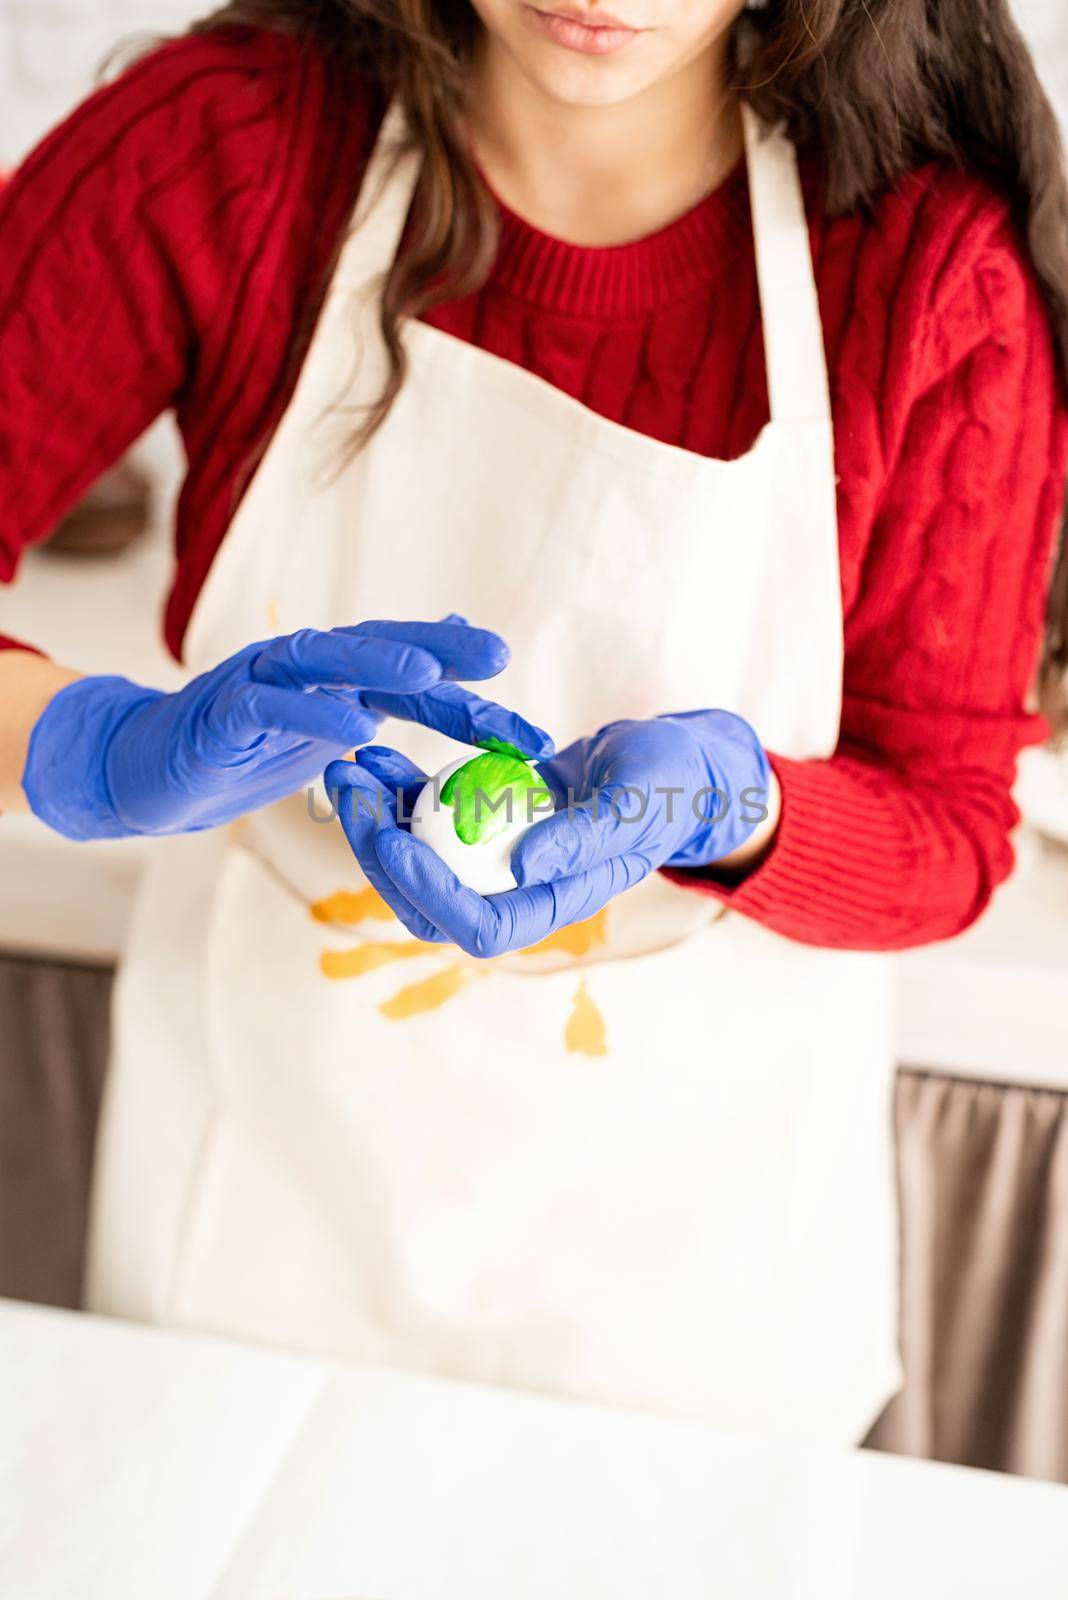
pixel 626 279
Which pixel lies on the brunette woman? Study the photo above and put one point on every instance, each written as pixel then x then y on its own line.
pixel 712 358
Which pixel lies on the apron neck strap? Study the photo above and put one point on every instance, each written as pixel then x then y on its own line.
pixel 798 389
pixel 382 208
pixel 793 334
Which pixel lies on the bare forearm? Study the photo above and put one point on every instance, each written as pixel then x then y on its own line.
pixel 27 683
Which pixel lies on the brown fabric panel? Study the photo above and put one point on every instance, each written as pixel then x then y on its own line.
pixel 54 1024
pixel 984 1197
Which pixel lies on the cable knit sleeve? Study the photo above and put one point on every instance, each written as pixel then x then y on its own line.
pixel 901 838
pixel 117 242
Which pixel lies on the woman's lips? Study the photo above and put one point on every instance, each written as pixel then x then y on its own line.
pixel 587 32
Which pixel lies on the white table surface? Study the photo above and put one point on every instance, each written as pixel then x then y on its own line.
pixel 139 1465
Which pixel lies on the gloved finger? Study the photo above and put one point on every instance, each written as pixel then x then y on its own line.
pixel 364 813
pixel 404 780
pixel 487 926
pixel 612 822
pixel 390 766
pixel 463 651
pixel 252 710
pixel 564 773
pixel 433 890
pixel 461 715
pixel 525 917
pixel 372 796
pixel 345 659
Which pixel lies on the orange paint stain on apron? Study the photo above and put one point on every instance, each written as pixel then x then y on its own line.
pixel 362 958
pixel 585 1031
pixel 428 995
pixel 364 905
pixel 273 616
pixel 578 939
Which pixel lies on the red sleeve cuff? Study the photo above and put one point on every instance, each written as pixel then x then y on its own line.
pixel 806 877
pixel 859 862
pixel 7 643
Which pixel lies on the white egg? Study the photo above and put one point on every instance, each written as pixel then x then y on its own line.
pixel 485 866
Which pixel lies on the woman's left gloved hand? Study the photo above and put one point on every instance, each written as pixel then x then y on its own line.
pixel 683 790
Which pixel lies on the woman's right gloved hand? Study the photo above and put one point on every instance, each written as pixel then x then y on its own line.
pixel 109 758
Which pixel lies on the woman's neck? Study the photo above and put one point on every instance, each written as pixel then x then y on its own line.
pixel 603 175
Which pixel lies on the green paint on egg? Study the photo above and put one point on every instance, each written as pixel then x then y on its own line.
pixel 502 748
pixel 491 791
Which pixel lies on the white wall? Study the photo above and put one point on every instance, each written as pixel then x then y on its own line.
pixel 1045 22
pixel 50 49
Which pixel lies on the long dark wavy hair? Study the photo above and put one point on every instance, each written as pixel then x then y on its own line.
pixel 878 86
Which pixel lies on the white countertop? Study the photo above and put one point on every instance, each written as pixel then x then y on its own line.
pixel 137 1464
pixel 990 1004
pixel 993 1003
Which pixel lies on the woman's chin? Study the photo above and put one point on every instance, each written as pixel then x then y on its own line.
pixel 574 78
pixel 586 81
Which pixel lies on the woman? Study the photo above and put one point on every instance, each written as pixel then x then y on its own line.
pixel 713 358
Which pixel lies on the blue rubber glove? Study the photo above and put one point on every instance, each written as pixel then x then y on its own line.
pixel 108 757
pixel 683 790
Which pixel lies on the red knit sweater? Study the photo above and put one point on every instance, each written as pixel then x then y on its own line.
pixel 166 247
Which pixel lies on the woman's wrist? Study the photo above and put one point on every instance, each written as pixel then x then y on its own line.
pixel 66 778
pixel 28 684
pixel 734 779
pixel 752 852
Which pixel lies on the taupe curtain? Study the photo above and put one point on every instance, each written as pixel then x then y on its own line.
pixel 53 1050
pixel 984 1205
pixel 983 1171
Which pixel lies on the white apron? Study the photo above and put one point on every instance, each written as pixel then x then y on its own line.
pixel 648 1164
